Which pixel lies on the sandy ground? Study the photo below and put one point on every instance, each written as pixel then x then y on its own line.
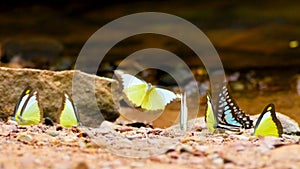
pixel 122 147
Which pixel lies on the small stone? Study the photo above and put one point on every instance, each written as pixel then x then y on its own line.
pixel 24 138
pixel 37 161
pixel 217 160
pixel 12 122
pixel 52 133
pixel 92 144
pixel 82 144
pixel 186 148
pixel 82 165
pixel 49 121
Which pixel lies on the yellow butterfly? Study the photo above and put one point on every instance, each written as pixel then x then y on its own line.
pixel 67 114
pixel 267 124
pixel 210 119
pixel 28 110
pixel 143 94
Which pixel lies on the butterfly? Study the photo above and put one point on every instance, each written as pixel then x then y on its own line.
pixel 267 123
pixel 210 119
pixel 143 94
pixel 67 114
pixel 226 114
pixel 27 109
pixel 183 112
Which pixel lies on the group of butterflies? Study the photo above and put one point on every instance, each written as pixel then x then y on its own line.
pixel 227 115
pixel 28 110
pixel 224 115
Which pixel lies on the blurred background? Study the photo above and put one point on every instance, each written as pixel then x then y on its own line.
pixel 258 42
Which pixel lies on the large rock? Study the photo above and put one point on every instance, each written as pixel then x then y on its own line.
pixel 51 84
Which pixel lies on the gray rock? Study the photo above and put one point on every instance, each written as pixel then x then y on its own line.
pixel 51 84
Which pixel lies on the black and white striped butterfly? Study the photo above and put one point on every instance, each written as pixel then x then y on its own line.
pixel 229 115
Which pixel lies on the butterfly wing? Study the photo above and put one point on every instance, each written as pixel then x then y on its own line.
pixel 134 89
pixel 157 98
pixel 183 112
pixel 210 119
pixel 27 110
pixel 20 103
pixel 268 124
pixel 140 93
pixel 228 111
pixel 67 114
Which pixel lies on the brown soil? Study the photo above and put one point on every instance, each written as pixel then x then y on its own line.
pixel 56 147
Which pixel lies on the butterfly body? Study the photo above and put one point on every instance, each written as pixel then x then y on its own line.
pixel 143 94
pixel 268 124
pixel 28 110
pixel 67 114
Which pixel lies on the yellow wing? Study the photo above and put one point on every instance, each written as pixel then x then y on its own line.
pixel 136 93
pixel 157 98
pixel 134 89
pixel 268 124
pixel 27 110
pixel 67 115
pixel 210 117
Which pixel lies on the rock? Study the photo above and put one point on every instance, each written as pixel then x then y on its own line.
pixel 51 84
pixel 52 133
pixel 82 165
pixel 24 138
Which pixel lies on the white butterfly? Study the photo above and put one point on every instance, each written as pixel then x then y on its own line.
pixel 143 94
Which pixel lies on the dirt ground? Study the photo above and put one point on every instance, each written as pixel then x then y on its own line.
pixel 122 146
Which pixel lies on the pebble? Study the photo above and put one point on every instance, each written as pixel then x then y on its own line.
pixel 82 165
pixel 24 138
pixel 216 160
pixel 186 148
pixel 12 122
pixel 82 144
pixel 53 133
pixel 92 144
pixel 69 139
